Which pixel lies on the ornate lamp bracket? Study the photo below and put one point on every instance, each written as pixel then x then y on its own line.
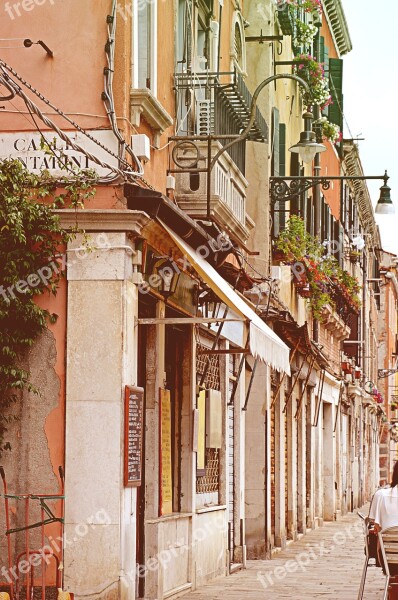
pixel 283 189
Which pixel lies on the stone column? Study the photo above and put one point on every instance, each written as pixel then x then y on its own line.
pixel 329 493
pixel 301 468
pixel 310 458
pixel 100 519
pixel 280 528
pixel 257 472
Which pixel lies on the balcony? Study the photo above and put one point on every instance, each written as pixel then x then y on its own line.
pixel 210 106
pixel 227 193
pixel 217 104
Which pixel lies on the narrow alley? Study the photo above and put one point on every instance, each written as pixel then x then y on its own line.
pixel 326 563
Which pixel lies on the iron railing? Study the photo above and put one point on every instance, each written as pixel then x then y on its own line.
pixel 217 104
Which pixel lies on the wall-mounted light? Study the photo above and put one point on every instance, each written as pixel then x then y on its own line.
pixel 168 276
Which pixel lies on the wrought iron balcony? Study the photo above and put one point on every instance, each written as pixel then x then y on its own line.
pixel 217 104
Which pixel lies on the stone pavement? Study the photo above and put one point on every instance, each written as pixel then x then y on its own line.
pixel 325 563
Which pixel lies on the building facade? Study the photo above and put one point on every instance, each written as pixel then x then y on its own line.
pixel 205 404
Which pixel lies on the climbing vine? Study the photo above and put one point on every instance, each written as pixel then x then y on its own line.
pixel 31 242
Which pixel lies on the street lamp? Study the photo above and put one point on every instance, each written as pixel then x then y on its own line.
pixel 385 205
pixel 283 189
pixel 307 147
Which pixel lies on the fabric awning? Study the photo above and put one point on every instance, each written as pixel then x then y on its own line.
pixel 264 343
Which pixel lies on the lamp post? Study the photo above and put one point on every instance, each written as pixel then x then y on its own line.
pixel 283 189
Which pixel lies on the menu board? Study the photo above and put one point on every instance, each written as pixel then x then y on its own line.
pixel 133 435
pixel 166 479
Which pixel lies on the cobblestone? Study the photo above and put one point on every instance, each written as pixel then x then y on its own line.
pixel 325 563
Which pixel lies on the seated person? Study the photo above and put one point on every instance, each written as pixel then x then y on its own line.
pixel 384 511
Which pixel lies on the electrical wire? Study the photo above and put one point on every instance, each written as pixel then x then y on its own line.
pixel 108 96
pixel 5 68
pixel 34 108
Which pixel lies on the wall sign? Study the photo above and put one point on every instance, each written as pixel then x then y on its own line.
pixel 166 477
pixel 201 453
pixel 27 148
pixel 133 435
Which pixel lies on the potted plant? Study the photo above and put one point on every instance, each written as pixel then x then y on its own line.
pixel 329 131
pixel 354 256
pixel 306 67
pixel 346 366
pixel 304 34
pixel 394 406
pixel 287 17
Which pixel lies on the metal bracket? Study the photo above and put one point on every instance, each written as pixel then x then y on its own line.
pixel 283 189
pixel 382 373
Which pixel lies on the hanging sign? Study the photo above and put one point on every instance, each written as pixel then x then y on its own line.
pixel 133 435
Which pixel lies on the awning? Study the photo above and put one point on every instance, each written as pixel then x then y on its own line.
pixel 264 343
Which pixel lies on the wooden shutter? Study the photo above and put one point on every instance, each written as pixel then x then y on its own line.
pixel 282 149
pixel 336 90
pixel 275 162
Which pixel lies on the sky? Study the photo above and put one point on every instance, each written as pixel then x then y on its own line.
pixel 371 98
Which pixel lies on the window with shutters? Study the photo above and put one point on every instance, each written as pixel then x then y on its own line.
pixel 145 45
pixel 324 59
pixel 278 168
pixel 336 90
pixel 238 44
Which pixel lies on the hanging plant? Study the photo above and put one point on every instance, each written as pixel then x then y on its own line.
pixel 329 131
pixel 309 6
pixel 313 73
pixel 30 241
pixel 305 33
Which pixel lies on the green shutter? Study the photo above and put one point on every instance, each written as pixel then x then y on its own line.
pixel 336 90
pixel 322 49
pixel 325 62
pixel 275 143
pixel 282 149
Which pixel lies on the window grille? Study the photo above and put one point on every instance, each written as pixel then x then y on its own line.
pixel 210 481
pixel 209 363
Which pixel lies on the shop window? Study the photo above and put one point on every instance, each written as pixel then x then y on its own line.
pixel 209 408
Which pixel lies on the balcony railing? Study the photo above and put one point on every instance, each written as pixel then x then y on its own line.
pixel 227 205
pixel 217 104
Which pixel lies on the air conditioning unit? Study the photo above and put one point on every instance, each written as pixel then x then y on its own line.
pixel 204 117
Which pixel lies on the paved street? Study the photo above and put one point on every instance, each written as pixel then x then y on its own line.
pixel 326 563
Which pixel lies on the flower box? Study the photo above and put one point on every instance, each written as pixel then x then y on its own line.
pixel 286 19
pixel 346 367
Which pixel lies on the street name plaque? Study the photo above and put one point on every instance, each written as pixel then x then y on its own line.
pixel 133 436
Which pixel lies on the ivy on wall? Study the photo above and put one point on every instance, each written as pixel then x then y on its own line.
pixel 31 240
